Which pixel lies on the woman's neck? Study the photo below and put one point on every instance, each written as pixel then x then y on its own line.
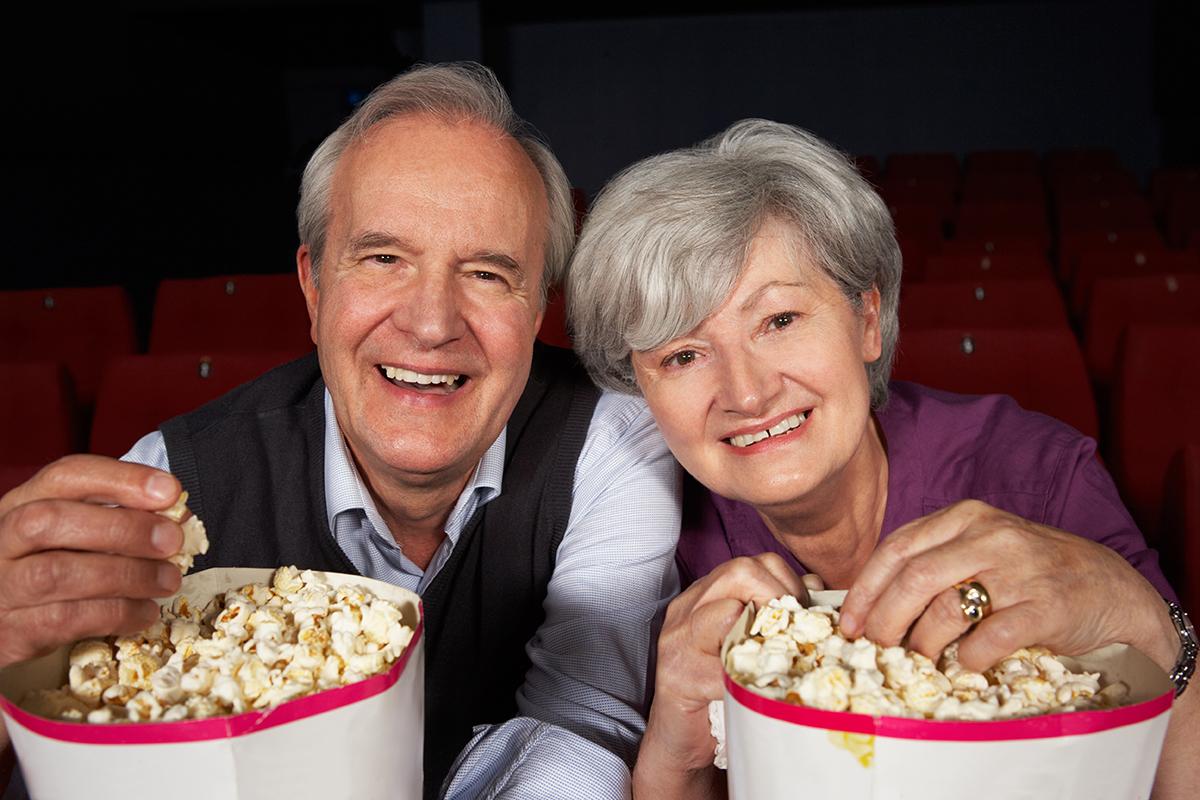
pixel 834 530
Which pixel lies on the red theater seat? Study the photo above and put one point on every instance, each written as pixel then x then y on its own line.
pixel 1092 265
pixel 37 405
pixel 1004 162
pixel 81 327
pixel 1000 220
pixel 1075 160
pixel 141 392
pixel 1126 213
pixel 1118 302
pixel 1012 264
pixel 554 323
pixel 1166 181
pixel 1025 188
pixel 1183 216
pixel 1155 411
pixel 230 314
pixel 992 245
pixel 1072 244
pixel 1179 540
pixel 1042 369
pixel 992 303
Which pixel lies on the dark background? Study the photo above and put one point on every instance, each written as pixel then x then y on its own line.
pixel 165 139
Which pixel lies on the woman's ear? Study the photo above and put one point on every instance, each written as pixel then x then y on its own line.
pixel 872 342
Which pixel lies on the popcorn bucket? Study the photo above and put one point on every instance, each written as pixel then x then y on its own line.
pixel 363 740
pixel 777 750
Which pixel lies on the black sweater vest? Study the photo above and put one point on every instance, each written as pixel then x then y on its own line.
pixel 253 464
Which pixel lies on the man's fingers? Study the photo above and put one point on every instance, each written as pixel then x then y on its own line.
pixel 1000 635
pixel 61 575
pixel 97 479
pixel 35 631
pixel 67 525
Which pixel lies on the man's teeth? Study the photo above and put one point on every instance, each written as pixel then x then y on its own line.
pixel 408 376
pixel 782 427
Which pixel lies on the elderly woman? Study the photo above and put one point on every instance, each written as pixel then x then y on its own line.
pixel 747 288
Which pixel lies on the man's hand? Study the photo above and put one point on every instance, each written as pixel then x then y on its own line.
pixel 675 759
pixel 81 553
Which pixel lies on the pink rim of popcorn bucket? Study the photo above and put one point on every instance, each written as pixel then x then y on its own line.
pixel 1074 723
pixel 197 730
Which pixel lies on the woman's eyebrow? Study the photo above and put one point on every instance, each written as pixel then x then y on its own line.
pixel 754 298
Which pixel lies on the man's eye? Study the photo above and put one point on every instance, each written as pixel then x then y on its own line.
pixel 781 320
pixel 383 258
pixel 680 359
pixel 484 275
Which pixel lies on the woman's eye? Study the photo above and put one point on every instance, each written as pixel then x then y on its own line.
pixel 781 320
pixel 680 359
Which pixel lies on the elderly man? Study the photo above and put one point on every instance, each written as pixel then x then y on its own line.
pixel 536 517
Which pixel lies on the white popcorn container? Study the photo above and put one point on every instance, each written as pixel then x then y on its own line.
pixel 779 750
pixel 363 740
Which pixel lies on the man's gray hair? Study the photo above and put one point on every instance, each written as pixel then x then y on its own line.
pixel 454 92
pixel 667 239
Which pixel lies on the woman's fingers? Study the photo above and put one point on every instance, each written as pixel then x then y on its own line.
pixel 895 553
pixel 1003 633
pixel 942 623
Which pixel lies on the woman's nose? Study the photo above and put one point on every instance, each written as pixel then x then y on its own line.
pixel 748 385
pixel 430 310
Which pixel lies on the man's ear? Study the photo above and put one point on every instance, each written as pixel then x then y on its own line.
pixel 308 285
pixel 872 343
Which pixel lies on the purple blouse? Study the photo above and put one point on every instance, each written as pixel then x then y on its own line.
pixel 943 448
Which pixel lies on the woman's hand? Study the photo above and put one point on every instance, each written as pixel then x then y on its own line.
pixel 675 759
pixel 1047 587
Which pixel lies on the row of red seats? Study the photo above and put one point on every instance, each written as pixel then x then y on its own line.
pixel 86 327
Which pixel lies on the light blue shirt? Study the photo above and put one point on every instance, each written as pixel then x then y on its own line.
pixel 582 699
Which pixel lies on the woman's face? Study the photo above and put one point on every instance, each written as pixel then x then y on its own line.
pixel 767 400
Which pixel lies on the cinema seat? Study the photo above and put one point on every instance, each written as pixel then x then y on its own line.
pixel 1179 539
pixel 83 327
pixel 1042 369
pixel 139 393
pixel 1125 263
pixel 230 314
pixel 988 266
pixel 1155 411
pixel 554 322
pixel 37 405
pixel 1118 302
pixel 1072 244
pixel 990 303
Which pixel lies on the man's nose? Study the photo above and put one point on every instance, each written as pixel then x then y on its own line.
pixel 430 311
pixel 748 384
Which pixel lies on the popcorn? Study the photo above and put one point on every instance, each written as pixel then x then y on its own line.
pixel 254 647
pixel 195 540
pixel 799 655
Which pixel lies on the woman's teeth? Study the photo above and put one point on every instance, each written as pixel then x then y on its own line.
pixel 780 428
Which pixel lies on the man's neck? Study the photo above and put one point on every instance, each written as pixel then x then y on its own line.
pixel 415 512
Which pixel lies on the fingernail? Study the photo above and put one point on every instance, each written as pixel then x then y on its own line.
pixel 168 576
pixel 167 538
pixel 848 622
pixel 161 487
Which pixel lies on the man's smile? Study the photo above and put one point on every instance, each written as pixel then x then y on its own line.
pixel 432 383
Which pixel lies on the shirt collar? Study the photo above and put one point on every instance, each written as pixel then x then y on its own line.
pixel 345 490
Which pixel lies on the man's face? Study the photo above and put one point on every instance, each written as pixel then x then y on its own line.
pixel 427 302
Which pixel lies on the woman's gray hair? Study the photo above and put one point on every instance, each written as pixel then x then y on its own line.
pixel 666 240
pixel 454 92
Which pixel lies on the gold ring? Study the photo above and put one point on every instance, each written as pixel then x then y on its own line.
pixel 974 600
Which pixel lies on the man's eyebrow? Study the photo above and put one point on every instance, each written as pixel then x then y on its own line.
pixel 501 260
pixel 378 240
pixel 760 291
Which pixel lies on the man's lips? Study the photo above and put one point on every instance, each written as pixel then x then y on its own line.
pixel 771 429
pixel 431 382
